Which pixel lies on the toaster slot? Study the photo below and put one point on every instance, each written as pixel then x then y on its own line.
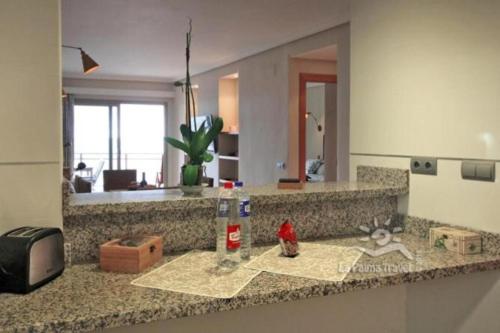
pixel 17 232
pixel 33 231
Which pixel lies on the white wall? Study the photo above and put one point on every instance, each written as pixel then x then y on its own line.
pixel 31 118
pixel 175 157
pixel 425 81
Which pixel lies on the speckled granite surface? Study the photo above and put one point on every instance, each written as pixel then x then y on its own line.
pixel 167 200
pixel 195 228
pixel 321 210
pixel 86 299
pixel 386 176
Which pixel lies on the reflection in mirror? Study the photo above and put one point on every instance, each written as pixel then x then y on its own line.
pixel 320 125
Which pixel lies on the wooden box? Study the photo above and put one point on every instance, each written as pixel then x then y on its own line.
pixel 290 185
pixel 456 240
pixel 132 255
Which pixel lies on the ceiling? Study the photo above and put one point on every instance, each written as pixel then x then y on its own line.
pixel 328 53
pixel 145 39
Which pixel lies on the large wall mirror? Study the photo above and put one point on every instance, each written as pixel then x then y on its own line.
pixel 317 127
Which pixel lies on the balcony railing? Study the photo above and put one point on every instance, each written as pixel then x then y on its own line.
pixel 148 163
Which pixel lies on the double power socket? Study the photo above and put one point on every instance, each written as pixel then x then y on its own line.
pixel 424 165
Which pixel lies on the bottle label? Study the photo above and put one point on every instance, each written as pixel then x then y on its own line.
pixel 233 237
pixel 223 208
pixel 245 208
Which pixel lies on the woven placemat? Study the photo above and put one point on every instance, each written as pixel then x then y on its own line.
pixel 315 261
pixel 197 273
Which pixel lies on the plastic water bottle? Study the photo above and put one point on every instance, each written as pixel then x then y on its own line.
pixel 228 228
pixel 246 227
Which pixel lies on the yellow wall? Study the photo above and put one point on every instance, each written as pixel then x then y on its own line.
pixel 30 114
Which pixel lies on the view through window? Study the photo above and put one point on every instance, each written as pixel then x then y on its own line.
pixel 125 136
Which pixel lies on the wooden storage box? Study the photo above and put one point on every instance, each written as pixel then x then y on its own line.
pixel 290 185
pixel 132 255
pixel 456 240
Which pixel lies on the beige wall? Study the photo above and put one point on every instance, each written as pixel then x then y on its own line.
pixel 426 78
pixel 264 104
pixel 30 91
pixel 425 81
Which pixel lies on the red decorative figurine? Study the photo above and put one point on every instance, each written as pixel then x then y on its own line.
pixel 288 240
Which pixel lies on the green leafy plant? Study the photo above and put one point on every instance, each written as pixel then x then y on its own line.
pixel 195 141
pixel 195 145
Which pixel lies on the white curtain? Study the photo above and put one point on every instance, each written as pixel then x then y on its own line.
pixel 68 132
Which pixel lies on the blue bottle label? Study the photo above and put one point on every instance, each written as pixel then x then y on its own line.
pixel 245 208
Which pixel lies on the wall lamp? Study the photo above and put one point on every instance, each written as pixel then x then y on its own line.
pixel 89 64
pixel 320 128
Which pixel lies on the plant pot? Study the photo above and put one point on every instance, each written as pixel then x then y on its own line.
pixel 192 191
pixel 192 187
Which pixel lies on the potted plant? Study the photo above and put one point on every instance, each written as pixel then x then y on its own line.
pixel 195 141
pixel 195 145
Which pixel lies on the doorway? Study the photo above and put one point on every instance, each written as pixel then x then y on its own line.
pixel 318 125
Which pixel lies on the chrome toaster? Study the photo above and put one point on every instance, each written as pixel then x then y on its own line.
pixel 29 258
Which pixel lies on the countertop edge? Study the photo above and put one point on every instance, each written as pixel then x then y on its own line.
pixel 372 190
pixel 240 302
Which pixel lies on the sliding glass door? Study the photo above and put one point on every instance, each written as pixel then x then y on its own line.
pixel 92 145
pixel 142 132
pixel 119 136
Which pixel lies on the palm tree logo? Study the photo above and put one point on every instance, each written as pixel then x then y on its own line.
pixel 385 240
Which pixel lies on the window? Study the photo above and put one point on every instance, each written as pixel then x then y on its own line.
pixel 142 132
pixel 119 136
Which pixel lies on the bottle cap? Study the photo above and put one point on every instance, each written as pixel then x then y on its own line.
pixel 228 185
pixel 238 184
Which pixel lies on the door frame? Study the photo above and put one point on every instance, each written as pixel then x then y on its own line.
pixel 304 78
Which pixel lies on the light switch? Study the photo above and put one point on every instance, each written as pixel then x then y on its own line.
pixel 478 170
pixel 485 171
pixel 468 170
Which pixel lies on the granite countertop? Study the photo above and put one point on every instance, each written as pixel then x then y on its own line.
pixel 143 201
pixel 85 299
